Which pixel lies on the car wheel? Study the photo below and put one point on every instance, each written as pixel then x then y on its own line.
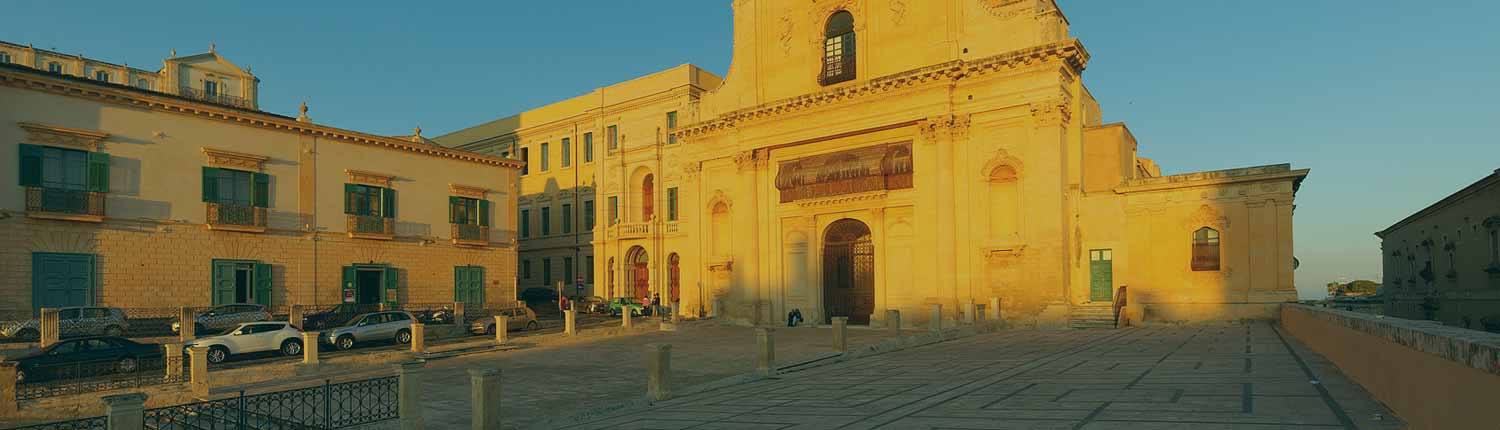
pixel 217 354
pixel 127 365
pixel 291 347
pixel 113 330
pixel 346 342
pixel 403 337
pixel 29 335
pixel 531 325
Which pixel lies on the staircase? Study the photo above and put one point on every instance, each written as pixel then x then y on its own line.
pixel 1092 315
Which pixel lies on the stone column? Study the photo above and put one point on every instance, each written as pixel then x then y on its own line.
pixel 198 371
pixel 186 324
pixel 841 334
pixel 765 351
pixel 484 398
pixel 570 322
pixel 174 359
pixel 969 312
pixel 410 395
pixel 659 371
pixel 936 319
pixel 994 308
pixel 310 347
pixel 893 321
pixel 458 314
pixel 418 337
pixel 502 332
pixel 295 318
pixel 8 388
pixel 49 327
pixel 125 411
pixel 625 317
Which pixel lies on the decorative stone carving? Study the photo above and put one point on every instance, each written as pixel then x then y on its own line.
pixel 945 126
pixel 746 160
pixel 1005 9
pixel 369 178
pixel 1001 158
pixel 872 168
pixel 235 160
pixel 1207 216
pixel 62 136
pixel 1053 111
pixel 898 11
pixel 785 27
pixel 691 170
pixel 467 191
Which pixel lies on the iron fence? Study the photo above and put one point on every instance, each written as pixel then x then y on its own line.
pixel 49 380
pixel 64 201
pixel 329 406
pixel 94 423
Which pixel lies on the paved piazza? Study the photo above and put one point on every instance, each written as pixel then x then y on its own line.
pixel 1226 377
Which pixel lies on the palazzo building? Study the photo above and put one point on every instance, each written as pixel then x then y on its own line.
pixel 1443 262
pixel 865 155
pixel 137 189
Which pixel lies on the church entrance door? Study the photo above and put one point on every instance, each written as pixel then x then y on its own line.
pixel 640 273
pixel 848 272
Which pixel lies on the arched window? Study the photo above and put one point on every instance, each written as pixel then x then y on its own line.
pixel 838 49
pixel 1205 250
pixel 648 196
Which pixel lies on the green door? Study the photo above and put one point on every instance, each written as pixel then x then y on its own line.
pixel 392 280
pixel 1101 275
pixel 61 280
pixel 262 284
pixel 468 285
pixel 224 281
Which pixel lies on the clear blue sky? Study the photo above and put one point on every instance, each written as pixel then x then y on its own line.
pixel 1391 103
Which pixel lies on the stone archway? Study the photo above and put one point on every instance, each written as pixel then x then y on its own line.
pixel 638 273
pixel 848 272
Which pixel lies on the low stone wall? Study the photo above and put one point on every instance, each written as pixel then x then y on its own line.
pixel 1432 376
pixel 1148 313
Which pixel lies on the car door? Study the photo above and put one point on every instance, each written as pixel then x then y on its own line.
pixel 368 327
pixel 394 321
pixel 265 336
pixel 57 362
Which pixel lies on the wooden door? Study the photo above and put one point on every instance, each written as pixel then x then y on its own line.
pixel 61 280
pixel 641 280
pixel 1101 275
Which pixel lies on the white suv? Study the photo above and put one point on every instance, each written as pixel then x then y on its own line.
pixel 251 337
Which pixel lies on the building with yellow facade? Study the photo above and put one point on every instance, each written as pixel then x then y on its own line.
pixel 138 189
pixel 1443 262
pixel 866 155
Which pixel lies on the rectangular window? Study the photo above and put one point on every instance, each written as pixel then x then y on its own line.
pixel 547 272
pixel 526 269
pixel 671 125
pixel 546 221
pixel 672 204
pixel 588 215
pixel 525 223
pixel 588 147
pixel 612 137
pixel 544 156
pixel 567 218
pixel 368 200
pixel 525 158
pixel 468 211
pixel 567 152
pixel 55 67
pixel 4 58
pixel 210 88
pixel 65 169
pixel 568 269
pixel 588 272
pixel 614 210
pixel 101 76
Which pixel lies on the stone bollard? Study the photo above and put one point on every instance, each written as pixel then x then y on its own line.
pixel 458 314
pixel 8 406
pixel 50 327
pixel 570 322
pixel 841 334
pixel 125 411
pixel 893 321
pixel 418 338
pixel 765 352
pixel 659 371
pixel 502 331
pixel 310 347
pixel 936 319
pixel 198 370
pixel 484 398
pixel 174 360
pixel 625 317
pixel 410 395
pixel 969 313
pixel 187 323
pixel 295 317
pixel 994 309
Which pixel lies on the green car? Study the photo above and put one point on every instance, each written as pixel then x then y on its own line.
pixel 619 303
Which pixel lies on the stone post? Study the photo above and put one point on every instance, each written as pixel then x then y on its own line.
pixel 994 308
pixel 8 405
pixel 625 317
pixel 418 337
pixel 50 327
pixel 410 395
pixel 936 319
pixel 676 316
pixel 198 370
pixel 502 332
pixel 174 360
pixel 893 321
pixel 765 352
pixel 458 314
pixel 125 411
pixel 186 324
pixel 841 334
pixel 295 317
pixel 484 398
pixel 969 313
pixel 570 322
pixel 659 371
pixel 310 347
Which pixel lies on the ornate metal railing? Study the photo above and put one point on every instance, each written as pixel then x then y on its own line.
pixel 94 423
pixel 63 201
pixel 329 406
pixel 1120 301
pixel 471 233
pixel 78 378
pixel 369 224
pixel 236 215
pixel 215 98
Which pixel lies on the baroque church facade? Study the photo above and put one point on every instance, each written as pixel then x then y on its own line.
pixel 866 155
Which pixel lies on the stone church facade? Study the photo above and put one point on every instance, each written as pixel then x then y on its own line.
pixel 865 155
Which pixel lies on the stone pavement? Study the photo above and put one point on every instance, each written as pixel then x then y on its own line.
pixel 1225 377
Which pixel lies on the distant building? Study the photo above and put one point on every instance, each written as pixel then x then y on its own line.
pixel 204 77
pixel 1443 262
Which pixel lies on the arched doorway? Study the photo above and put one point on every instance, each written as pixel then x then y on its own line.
pixel 648 197
pixel 848 272
pixel 640 272
pixel 674 278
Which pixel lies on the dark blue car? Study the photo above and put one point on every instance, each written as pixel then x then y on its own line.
pixel 87 357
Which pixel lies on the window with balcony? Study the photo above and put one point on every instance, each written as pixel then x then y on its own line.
pixel 525 223
pixel 371 211
pixel 588 215
pixel 236 199
pixel 588 147
pixel 471 220
pixel 64 183
pixel 1205 250
pixel 567 152
pixel 671 125
pixel 546 221
pixel 567 218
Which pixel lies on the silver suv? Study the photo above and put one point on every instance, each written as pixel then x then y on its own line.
pixel 71 322
pixel 374 326
pixel 221 318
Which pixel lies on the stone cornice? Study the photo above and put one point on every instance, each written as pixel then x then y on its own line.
pixel 235 160
pixel 1210 178
pixel 50 134
pixel 467 191
pixel 1069 52
pixel 15 77
pixel 369 178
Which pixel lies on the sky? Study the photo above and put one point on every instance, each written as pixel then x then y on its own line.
pixel 1390 103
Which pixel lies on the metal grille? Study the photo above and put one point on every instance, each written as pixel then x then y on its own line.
pixel 58 200
pixel 215 98
pixel 471 232
pixel 371 224
pixel 78 378
pixel 329 406
pixel 229 214
pixel 95 423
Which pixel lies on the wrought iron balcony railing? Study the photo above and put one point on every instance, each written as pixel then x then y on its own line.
pixel 65 203
pixel 215 98
pixel 222 216
pixel 371 227
pixel 470 234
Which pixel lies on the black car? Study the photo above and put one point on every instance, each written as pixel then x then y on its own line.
pixel 335 317
pixel 86 357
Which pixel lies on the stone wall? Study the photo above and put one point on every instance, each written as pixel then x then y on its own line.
pixel 1432 376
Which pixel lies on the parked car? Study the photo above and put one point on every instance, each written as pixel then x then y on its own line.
pixel 337 316
pixel 225 317
pixel 85 357
pixel 439 316
pixel 517 318
pixel 72 322
pixel 374 326
pixel 620 304
pixel 590 304
pixel 249 338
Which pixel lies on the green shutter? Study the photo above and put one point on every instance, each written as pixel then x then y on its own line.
pixel 210 185
pixel 263 284
pixel 222 282
pixel 453 204
pixel 348 287
pixel 388 202
pixel 261 191
pixel 98 172
pixel 349 190
pixel 392 282
pixel 31 165
pixel 484 213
